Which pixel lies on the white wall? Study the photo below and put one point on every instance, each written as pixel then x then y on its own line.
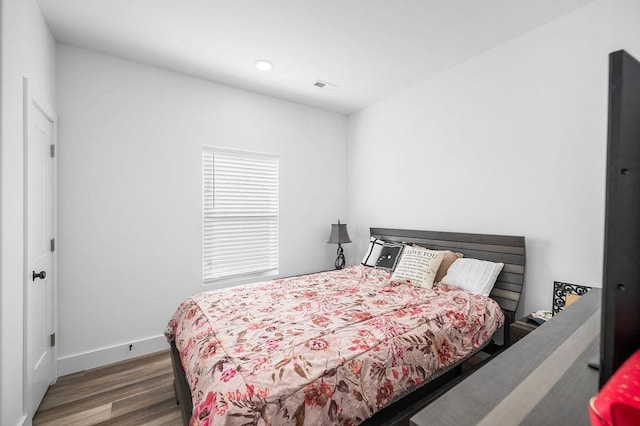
pixel 28 49
pixel 511 142
pixel 130 139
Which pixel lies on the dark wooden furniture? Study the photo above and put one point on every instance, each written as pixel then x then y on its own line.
pixel 180 385
pixel 521 328
pixel 543 380
pixel 509 250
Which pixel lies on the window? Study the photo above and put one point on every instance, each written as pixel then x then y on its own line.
pixel 240 213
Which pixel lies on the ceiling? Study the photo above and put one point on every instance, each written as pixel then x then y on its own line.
pixel 371 49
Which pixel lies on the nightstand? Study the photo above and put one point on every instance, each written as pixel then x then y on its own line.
pixel 521 328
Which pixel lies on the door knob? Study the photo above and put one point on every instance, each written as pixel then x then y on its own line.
pixel 41 275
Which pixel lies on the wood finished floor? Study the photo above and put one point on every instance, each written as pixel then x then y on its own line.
pixel 133 392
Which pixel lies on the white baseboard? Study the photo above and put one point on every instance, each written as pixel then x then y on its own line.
pixel 24 421
pixel 103 356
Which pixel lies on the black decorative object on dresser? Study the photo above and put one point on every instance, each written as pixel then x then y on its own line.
pixel 564 294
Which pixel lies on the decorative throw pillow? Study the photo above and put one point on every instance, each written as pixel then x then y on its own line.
pixel 419 265
pixel 447 261
pixel 476 276
pixel 389 256
pixel 373 252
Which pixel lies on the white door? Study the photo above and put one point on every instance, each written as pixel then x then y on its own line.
pixel 39 290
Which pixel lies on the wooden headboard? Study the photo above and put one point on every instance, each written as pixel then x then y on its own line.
pixel 507 249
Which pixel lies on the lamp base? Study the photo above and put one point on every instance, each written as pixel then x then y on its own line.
pixel 340 261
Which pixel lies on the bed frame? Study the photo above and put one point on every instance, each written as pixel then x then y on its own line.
pixel 495 248
pixel 509 250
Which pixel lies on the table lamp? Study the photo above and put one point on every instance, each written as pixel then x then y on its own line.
pixel 339 236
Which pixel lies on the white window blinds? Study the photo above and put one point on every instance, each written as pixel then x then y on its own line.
pixel 240 213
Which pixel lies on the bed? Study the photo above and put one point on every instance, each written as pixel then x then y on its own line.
pixel 336 347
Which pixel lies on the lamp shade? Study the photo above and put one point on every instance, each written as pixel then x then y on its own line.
pixel 339 234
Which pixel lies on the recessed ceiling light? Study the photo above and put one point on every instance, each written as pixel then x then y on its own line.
pixel 263 65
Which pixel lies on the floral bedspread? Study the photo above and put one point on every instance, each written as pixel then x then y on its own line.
pixel 321 349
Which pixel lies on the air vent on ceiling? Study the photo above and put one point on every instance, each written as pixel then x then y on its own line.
pixel 325 85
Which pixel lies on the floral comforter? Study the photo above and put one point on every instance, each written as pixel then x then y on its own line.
pixel 321 349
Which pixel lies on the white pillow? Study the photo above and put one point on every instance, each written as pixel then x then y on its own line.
pixel 373 252
pixel 476 276
pixel 419 265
